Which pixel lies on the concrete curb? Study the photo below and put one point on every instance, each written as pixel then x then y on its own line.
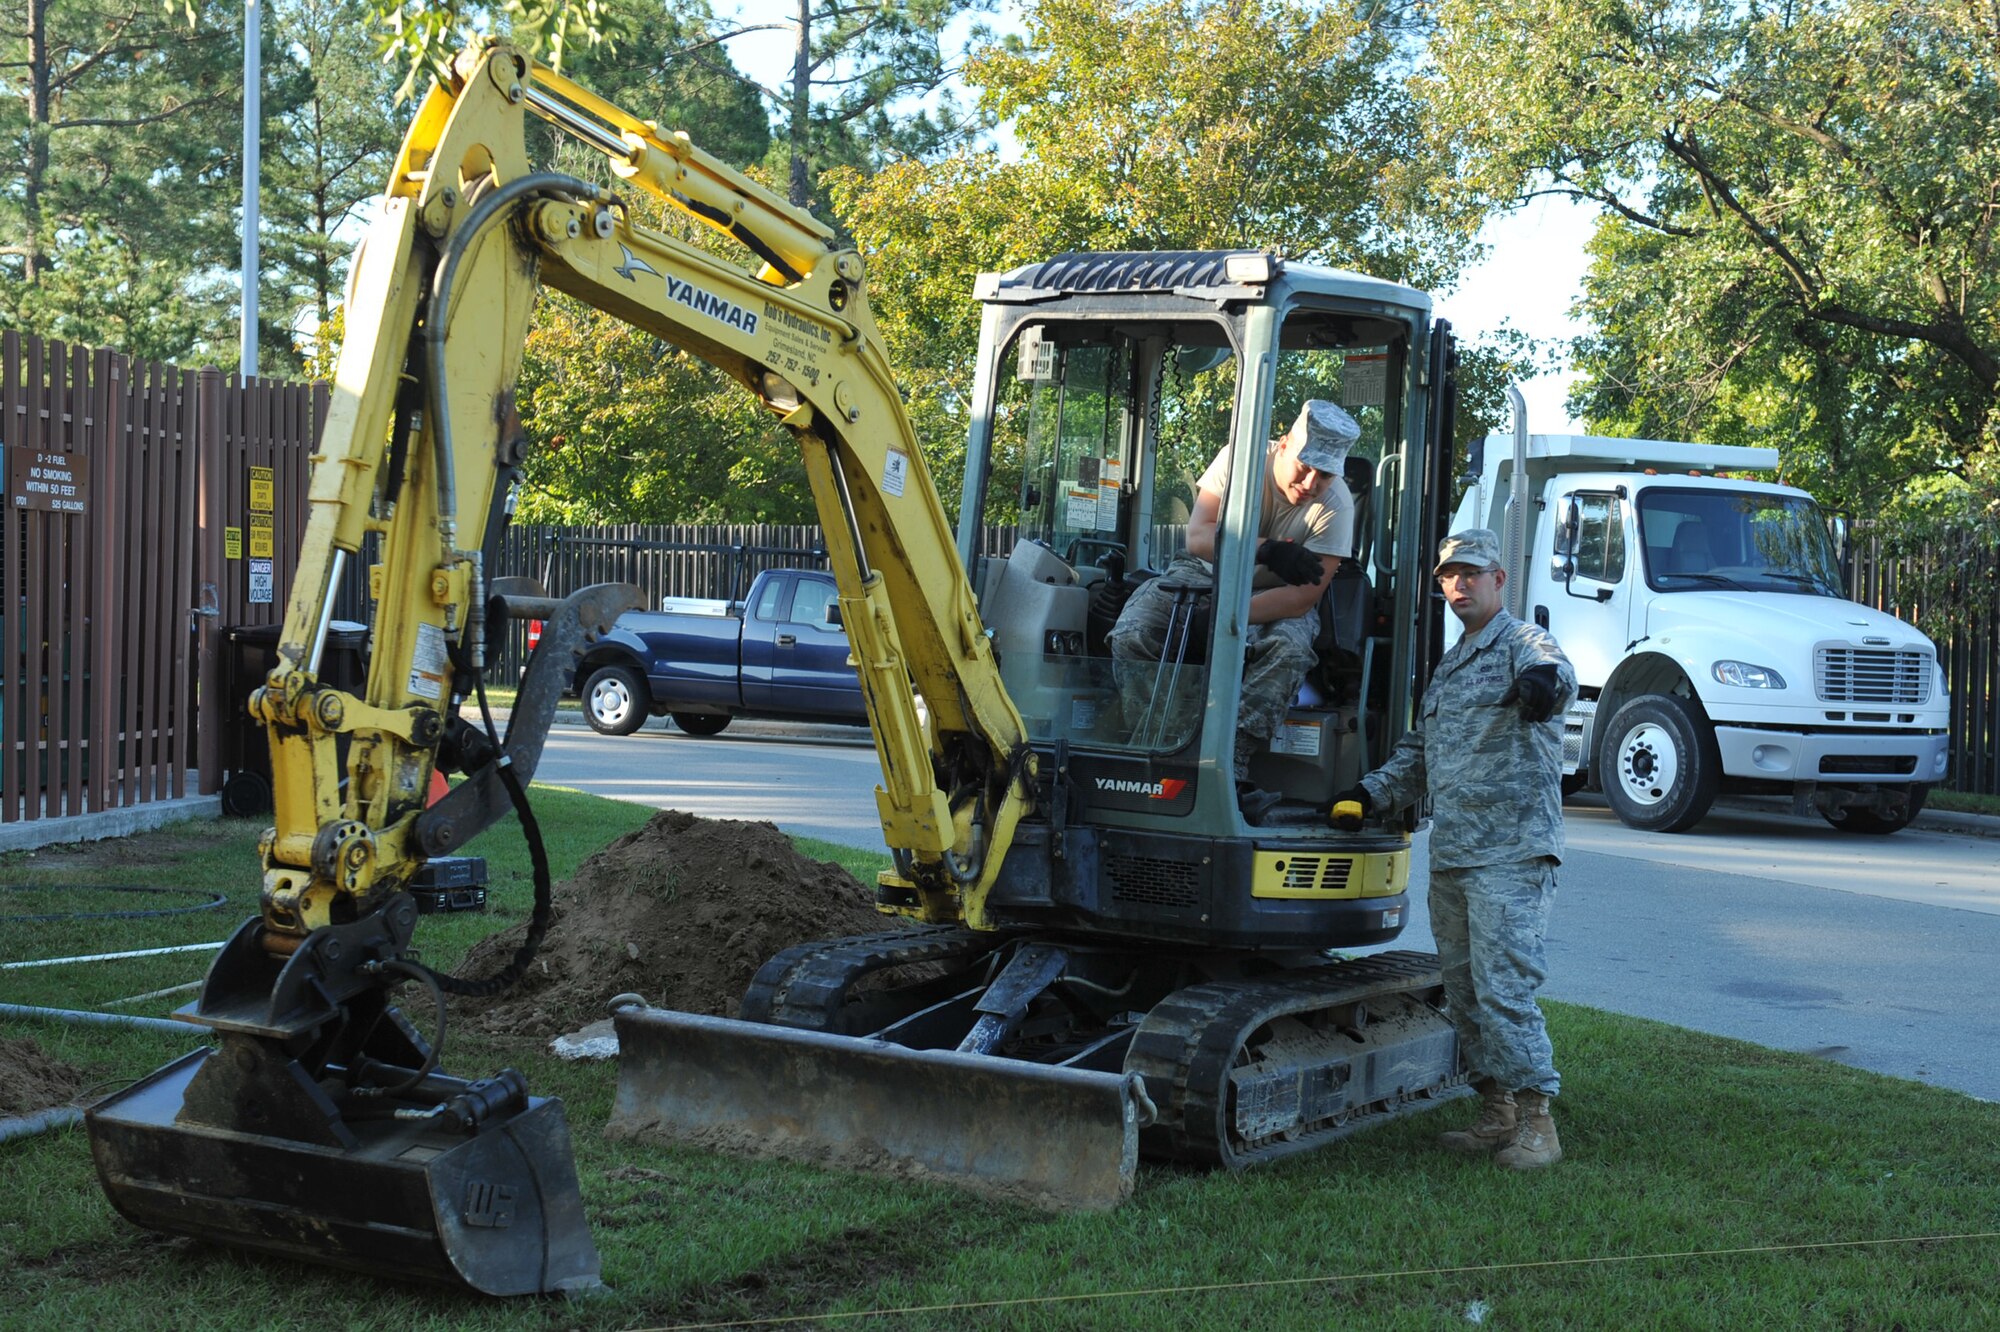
pixel 1930 820
pixel 102 824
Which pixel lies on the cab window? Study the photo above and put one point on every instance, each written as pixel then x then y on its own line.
pixel 809 602
pixel 1600 537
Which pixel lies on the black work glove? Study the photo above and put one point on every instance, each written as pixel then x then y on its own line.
pixel 1535 690
pixel 1356 795
pixel 1291 562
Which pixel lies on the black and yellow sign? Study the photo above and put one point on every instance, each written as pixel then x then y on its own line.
pixel 260 536
pixel 232 543
pixel 263 490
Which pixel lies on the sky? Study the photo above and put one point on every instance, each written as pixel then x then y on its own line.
pixel 1531 276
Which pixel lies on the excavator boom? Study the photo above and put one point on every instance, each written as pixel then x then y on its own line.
pixel 323 1123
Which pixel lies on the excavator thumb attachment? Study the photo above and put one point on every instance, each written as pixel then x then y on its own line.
pixel 1060 1138
pixel 497 1211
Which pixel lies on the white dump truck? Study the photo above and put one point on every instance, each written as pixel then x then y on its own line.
pixel 1715 647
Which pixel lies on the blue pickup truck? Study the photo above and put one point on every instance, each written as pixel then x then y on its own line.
pixel 781 654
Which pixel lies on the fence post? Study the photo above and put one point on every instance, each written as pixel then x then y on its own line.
pixel 110 711
pixel 212 713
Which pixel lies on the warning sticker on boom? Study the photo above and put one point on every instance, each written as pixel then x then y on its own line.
pixel 428 666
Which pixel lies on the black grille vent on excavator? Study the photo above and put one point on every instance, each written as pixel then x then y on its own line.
pixel 1167 270
pixel 1143 880
pixel 1324 874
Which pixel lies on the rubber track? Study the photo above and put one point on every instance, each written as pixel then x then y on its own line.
pixel 1189 1043
pixel 807 986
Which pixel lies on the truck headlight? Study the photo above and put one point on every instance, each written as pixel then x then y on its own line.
pixel 1745 676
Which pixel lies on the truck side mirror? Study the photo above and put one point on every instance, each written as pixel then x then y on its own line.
pixel 1843 548
pixel 1567 534
pixel 833 614
pixel 1572 523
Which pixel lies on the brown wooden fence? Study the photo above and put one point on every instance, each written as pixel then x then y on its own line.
pixel 1951 590
pixel 115 580
pixel 123 602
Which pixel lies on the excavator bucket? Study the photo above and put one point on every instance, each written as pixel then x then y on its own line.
pixel 498 1211
pixel 1059 1138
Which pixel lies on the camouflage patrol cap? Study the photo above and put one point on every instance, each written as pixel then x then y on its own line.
pixel 1327 432
pixel 1476 546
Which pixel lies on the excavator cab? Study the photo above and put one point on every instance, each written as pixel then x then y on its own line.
pixel 1112 382
pixel 1147 969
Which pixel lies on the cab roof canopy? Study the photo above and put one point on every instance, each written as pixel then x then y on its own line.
pixel 1603 451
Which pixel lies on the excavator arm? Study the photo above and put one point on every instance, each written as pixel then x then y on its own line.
pixel 321 1125
pixel 423 440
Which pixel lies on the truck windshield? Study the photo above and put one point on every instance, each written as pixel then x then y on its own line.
pixel 1744 540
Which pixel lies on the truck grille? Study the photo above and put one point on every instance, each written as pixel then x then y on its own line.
pixel 1865 675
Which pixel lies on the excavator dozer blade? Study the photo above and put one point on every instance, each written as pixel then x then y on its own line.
pixel 1059 1138
pixel 498 1211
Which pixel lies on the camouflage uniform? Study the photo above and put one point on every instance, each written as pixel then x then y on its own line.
pixel 1277 654
pixel 1495 782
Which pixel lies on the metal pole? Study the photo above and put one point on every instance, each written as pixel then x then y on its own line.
pixel 253 118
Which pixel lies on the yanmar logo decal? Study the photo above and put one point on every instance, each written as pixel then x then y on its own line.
pixel 1164 789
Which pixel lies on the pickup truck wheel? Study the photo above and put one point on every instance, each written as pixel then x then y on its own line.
pixel 699 723
pixel 1659 763
pixel 1855 820
pixel 615 701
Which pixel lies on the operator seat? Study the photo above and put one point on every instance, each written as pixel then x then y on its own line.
pixel 1346 607
pixel 1691 553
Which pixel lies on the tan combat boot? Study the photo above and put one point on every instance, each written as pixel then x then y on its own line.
pixel 1535 1143
pixel 1495 1128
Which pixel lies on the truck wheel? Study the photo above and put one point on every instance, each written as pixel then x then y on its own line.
pixel 1660 769
pixel 1855 820
pixel 700 723
pixel 615 700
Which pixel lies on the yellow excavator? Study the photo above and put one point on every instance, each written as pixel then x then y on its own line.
pixel 1099 954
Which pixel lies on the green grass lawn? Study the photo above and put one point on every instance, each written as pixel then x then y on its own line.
pixel 1710 1184
pixel 1962 802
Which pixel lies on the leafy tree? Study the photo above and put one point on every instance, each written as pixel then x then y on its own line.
pixel 1154 124
pixel 670 66
pixel 329 139
pixel 123 126
pixel 633 430
pixel 1798 247
pixel 855 67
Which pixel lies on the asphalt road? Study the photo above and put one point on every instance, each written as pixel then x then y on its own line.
pixel 1875 951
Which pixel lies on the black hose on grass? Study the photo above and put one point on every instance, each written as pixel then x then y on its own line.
pixel 215 900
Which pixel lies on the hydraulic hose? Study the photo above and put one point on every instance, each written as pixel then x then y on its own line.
pixel 415 971
pixel 483 213
pixel 544 913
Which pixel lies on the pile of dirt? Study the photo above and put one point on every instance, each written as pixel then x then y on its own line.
pixel 682 911
pixel 31 1080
